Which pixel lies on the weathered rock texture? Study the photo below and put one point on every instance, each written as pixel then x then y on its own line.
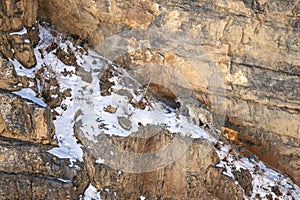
pixel 253 44
pixel 9 80
pixel 25 120
pixel 8 75
pixel 27 171
pixel 96 20
pixel 18 16
pixel 192 175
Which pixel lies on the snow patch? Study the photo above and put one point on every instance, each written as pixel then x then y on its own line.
pixel 29 94
pixel 21 32
pixel 91 193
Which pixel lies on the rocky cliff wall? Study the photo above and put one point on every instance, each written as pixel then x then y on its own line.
pixel 27 131
pixel 253 43
pixel 254 46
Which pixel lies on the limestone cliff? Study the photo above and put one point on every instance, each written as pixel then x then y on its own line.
pixel 249 80
pixel 253 43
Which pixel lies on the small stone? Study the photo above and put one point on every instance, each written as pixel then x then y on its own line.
pixel 64 107
pixel 188 134
pixel 125 123
pixel 67 92
pixel 110 109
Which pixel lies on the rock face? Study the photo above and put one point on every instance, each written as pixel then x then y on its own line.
pixel 19 30
pixel 254 45
pixel 95 20
pixel 28 171
pixel 9 80
pixel 24 120
pixel 8 75
pixel 191 176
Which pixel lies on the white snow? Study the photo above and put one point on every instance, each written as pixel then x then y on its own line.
pixel 29 94
pixel 68 145
pixel 21 32
pixel 100 160
pixel 64 180
pixel 91 193
pixel 263 177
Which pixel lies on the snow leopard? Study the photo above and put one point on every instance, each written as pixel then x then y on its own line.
pixel 197 113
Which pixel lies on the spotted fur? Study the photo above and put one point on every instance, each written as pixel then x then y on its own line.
pixel 198 114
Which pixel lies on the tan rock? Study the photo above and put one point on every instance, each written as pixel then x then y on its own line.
pixel 188 174
pixel 23 186
pixel 254 46
pixel 23 50
pixel 87 18
pixel 17 16
pixel 25 120
pixel 30 162
pixel 8 76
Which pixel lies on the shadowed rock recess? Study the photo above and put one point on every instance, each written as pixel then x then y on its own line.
pixel 254 45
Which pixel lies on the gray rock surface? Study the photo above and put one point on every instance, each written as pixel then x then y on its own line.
pixel 125 123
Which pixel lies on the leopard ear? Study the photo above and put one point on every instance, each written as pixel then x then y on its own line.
pixel 177 104
pixel 201 123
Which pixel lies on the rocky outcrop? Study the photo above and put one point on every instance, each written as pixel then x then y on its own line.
pixel 9 80
pixel 19 30
pixel 254 46
pixel 27 171
pixel 8 76
pixel 96 20
pixel 25 120
pixel 192 175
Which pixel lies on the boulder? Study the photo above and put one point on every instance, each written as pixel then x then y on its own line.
pixel 9 80
pixel 8 76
